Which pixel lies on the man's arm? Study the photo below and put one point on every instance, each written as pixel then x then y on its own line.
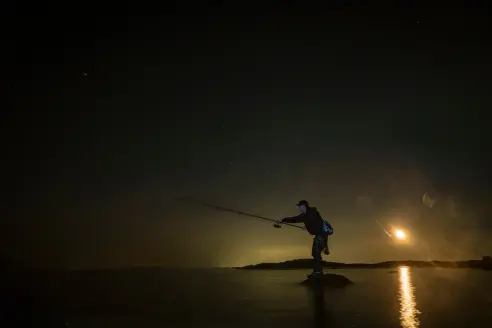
pixel 294 219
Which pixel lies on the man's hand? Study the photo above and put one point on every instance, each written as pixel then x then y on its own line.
pixel 279 221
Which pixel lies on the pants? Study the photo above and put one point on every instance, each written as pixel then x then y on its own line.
pixel 319 244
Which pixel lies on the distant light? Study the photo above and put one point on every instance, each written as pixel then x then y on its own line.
pixel 400 234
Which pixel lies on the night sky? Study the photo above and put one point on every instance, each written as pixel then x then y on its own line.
pixel 120 112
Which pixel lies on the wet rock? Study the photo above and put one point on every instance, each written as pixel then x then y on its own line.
pixel 329 281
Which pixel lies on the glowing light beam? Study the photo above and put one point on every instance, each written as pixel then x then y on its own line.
pixel 400 234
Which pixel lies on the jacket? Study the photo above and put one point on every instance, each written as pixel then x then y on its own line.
pixel 312 220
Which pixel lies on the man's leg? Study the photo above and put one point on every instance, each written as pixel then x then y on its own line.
pixel 327 250
pixel 318 245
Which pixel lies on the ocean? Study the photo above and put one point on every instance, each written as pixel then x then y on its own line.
pixel 403 297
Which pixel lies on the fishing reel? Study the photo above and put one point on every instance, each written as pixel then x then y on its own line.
pixel 276 225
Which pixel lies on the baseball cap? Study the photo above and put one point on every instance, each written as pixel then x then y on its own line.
pixel 303 202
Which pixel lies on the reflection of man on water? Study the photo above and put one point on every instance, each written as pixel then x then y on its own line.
pixel 319 307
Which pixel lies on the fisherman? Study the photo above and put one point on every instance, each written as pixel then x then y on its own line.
pixel 317 227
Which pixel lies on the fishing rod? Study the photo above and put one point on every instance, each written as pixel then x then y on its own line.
pixel 224 209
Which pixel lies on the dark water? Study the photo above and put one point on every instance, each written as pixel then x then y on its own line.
pixel 236 298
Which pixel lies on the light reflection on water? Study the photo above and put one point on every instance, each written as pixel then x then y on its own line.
pixel 408 304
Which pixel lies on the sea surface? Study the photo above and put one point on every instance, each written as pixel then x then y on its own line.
pixel 404 297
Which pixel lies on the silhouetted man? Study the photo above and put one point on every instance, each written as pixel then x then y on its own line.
pixel 317 227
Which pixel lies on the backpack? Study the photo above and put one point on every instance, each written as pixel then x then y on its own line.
pixel 327 228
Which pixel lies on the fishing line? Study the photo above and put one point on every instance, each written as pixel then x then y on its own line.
pixel 225 209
